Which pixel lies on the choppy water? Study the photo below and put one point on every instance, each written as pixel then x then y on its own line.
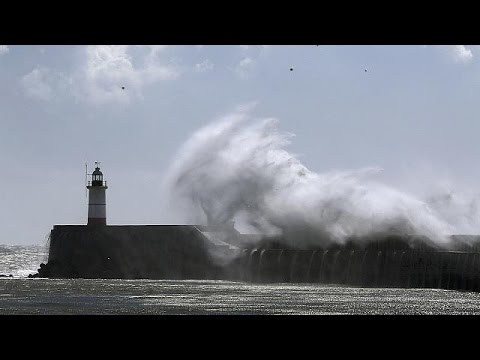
pixel 20 261
pixel 21 295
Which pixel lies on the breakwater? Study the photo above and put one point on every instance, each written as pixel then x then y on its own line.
pixel 180 252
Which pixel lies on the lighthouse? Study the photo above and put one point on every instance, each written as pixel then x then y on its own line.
pixel 97 212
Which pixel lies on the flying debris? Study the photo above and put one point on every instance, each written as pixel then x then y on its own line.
pixel 291 69
pixel 123 87
pixel 365 70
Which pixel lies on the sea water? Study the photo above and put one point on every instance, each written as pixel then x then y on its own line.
pixel 22 295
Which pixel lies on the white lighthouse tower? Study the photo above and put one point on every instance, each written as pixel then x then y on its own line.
pixel 97 212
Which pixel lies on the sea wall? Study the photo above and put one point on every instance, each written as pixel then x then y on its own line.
pixel 128 252
pixel 181 252
pixel 365 268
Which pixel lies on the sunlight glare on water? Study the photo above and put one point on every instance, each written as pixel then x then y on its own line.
pixel 81 296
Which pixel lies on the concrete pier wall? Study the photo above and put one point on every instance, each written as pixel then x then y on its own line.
pixel 156 252
pixel 185 252
pixel 366 268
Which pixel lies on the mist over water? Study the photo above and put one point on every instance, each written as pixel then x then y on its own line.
pixel 238 168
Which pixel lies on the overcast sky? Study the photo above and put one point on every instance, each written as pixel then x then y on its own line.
pixel 414 112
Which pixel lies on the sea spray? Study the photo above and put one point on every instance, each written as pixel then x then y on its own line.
pixel 238 168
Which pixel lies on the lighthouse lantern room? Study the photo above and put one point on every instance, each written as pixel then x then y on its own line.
pixel 97 213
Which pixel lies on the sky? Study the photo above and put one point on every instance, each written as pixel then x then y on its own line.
pixel 411 110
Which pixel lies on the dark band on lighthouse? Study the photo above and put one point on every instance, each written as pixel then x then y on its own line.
pixel 97 213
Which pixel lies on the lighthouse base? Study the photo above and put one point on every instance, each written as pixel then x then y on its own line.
pixel 128 252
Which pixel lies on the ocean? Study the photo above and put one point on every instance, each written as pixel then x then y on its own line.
pixel 22 295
